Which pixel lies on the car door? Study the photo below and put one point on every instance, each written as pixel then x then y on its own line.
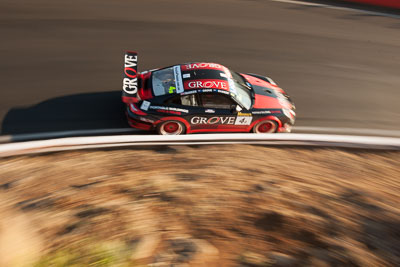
pixel 217 113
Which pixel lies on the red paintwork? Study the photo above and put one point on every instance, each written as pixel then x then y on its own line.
pixel 259 82
pixel 145 93
pixel 262 101
pixel 229 130
pixel 137 111
pixel 139 125
pixel 130 99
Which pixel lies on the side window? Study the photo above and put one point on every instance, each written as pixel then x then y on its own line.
pixel 185 100
pixel 216 101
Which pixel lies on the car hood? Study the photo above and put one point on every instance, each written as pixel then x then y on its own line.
pixel 267 95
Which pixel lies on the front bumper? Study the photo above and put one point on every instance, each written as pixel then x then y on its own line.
pixel 286 128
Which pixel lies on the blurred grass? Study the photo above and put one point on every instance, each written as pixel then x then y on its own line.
pixel 88 254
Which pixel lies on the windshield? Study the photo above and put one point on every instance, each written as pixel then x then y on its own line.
pixel 241 89
pixel 163 81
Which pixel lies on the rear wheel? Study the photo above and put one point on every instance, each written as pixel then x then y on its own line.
pixel 171 128
pixel 265 127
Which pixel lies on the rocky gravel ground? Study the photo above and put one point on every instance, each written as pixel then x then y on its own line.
pixel 236 205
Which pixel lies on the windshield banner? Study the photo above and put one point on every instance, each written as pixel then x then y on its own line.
pixel 178 79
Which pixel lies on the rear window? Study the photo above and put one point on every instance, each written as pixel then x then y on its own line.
pixel 164 81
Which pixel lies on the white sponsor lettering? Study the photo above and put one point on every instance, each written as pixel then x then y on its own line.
pixel 186 75
pixel 130 61
pixel 207 84
pixel 202 66
pixel 130 85
pixel 223 92
pixel 261 112
pixel 213 120
pixel 170 108
pixel 209 111
pixel 189 92
pixel 158 107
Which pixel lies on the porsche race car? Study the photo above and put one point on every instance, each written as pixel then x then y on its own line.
pixel 203 97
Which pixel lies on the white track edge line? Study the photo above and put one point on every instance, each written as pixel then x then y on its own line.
pixel 360 131
pixel 296 129
pixel 129 140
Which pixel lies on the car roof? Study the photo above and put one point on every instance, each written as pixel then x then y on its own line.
pixel 199 75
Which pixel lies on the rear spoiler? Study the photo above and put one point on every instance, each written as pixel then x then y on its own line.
pixel 130 83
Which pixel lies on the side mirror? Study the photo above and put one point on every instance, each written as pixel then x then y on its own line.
pixel 238 108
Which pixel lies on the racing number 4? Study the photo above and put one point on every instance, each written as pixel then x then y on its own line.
pixel 243 120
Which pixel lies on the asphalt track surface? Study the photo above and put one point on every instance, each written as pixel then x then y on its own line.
pixel 61 61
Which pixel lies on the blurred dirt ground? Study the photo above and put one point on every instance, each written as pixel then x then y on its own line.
pixel 236 205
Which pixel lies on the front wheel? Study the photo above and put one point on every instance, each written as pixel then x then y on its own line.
pixel 265 127
pixel 170 128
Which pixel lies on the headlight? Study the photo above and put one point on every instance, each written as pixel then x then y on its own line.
pixel 287 112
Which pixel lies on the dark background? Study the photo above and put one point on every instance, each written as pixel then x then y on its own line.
pixel 61 61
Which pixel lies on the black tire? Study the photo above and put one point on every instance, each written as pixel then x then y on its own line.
pixel 267 126
pixel 171 128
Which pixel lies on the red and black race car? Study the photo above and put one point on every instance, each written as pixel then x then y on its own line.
pixel 203 97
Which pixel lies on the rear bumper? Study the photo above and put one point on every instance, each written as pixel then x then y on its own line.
pixel 135 121
pixel 139 125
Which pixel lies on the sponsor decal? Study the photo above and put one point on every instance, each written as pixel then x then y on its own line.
pixel 179 109
pixel 244 114
pixel 212 120
pixel 169 111
pixel 158 108
pixel 186 75
pixel 266 111
pixel 202 66
pixel 189 92
pixel 232 87
pixel 178 79
pixel 243 120
pixel 130 82
pixel 145 105
pixel 223 92
pixel 261 112
pixel 217 84
pixel 209 111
